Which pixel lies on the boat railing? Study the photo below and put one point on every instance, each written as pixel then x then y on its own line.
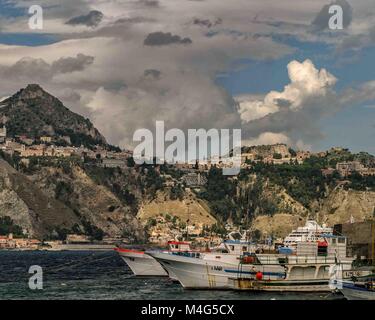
pixel 294 259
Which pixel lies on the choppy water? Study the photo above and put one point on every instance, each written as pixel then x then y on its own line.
pixel 102 275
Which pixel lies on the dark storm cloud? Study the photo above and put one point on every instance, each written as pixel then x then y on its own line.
pixel 152 73
pixel 92 19
pixel 39 69
pixel 149 3
pixel 70 64
pixel 164 39
pixel 283 103
pixel 322 19
pixel 207 22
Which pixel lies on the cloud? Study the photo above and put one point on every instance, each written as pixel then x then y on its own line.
pixel 306 83
pixel 170 99
pixel 293 115
pixel 30 69
pixel 70 64
pixel 92 19
pixel 152 74
pixel 150 3
pixel 207 22
pixel 130 84
pixel 164 39
pixel 295 111
pixel 266 138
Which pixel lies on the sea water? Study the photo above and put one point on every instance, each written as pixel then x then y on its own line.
pixel 103 275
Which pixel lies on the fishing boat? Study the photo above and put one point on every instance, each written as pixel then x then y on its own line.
pixel 310 268
pixel 356 284
pixel 141 263
pixel 204 270
pixel 243 267
pixel 358 290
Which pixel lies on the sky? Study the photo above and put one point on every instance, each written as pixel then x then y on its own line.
pixel 272 68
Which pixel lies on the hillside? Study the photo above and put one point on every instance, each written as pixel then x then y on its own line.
pixel 189 209
pixel 98 209
pixel 50 196
pixel 30 207
pixel 33 112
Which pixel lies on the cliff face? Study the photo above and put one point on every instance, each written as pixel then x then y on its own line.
pixel 341 205
pixel 93 203
pixel 189 209
pixel 29 206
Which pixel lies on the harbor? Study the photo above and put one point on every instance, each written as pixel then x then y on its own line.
pixel 312 262
pixel 103 275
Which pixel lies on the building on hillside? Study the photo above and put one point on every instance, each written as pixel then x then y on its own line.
pixel 113 163
pixel 9 242
pixel 77 238
pixel 25 140
pixel 347 168
pixel 64 152
pixel 32 152
pixel 46 139
pixel 328 171
pixel 247 157
pixel 302 156
pixel 337 150
pixel 3 133
pixel 321 154
pixel 193 180
pixel 12 146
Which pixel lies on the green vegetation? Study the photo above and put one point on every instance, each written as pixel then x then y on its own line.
pixel 302 182
pixel 92 231
pixel 177 192
pixel 219 193
pixel 7 226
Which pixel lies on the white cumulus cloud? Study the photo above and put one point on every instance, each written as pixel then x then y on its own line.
pixel 306 82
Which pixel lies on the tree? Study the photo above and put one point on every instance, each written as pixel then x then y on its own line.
pixel 130 162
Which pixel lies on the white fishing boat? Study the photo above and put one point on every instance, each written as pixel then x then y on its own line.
pixel 240 267
pixel 213 269
pixel 310 268
pixel 143 264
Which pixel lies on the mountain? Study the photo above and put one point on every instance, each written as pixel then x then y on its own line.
pixel 33 112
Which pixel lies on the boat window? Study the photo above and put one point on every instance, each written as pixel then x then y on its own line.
pixel 333 241
pixel 244 248
pixel 341 240
pixel 231 248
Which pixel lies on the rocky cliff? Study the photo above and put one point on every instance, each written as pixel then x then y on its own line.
pixel 94 204
pixel 29 206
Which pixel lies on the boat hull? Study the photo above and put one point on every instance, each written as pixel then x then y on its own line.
pixel 206 274
pixel 141 263
pixel 281 286
pixel 353 292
